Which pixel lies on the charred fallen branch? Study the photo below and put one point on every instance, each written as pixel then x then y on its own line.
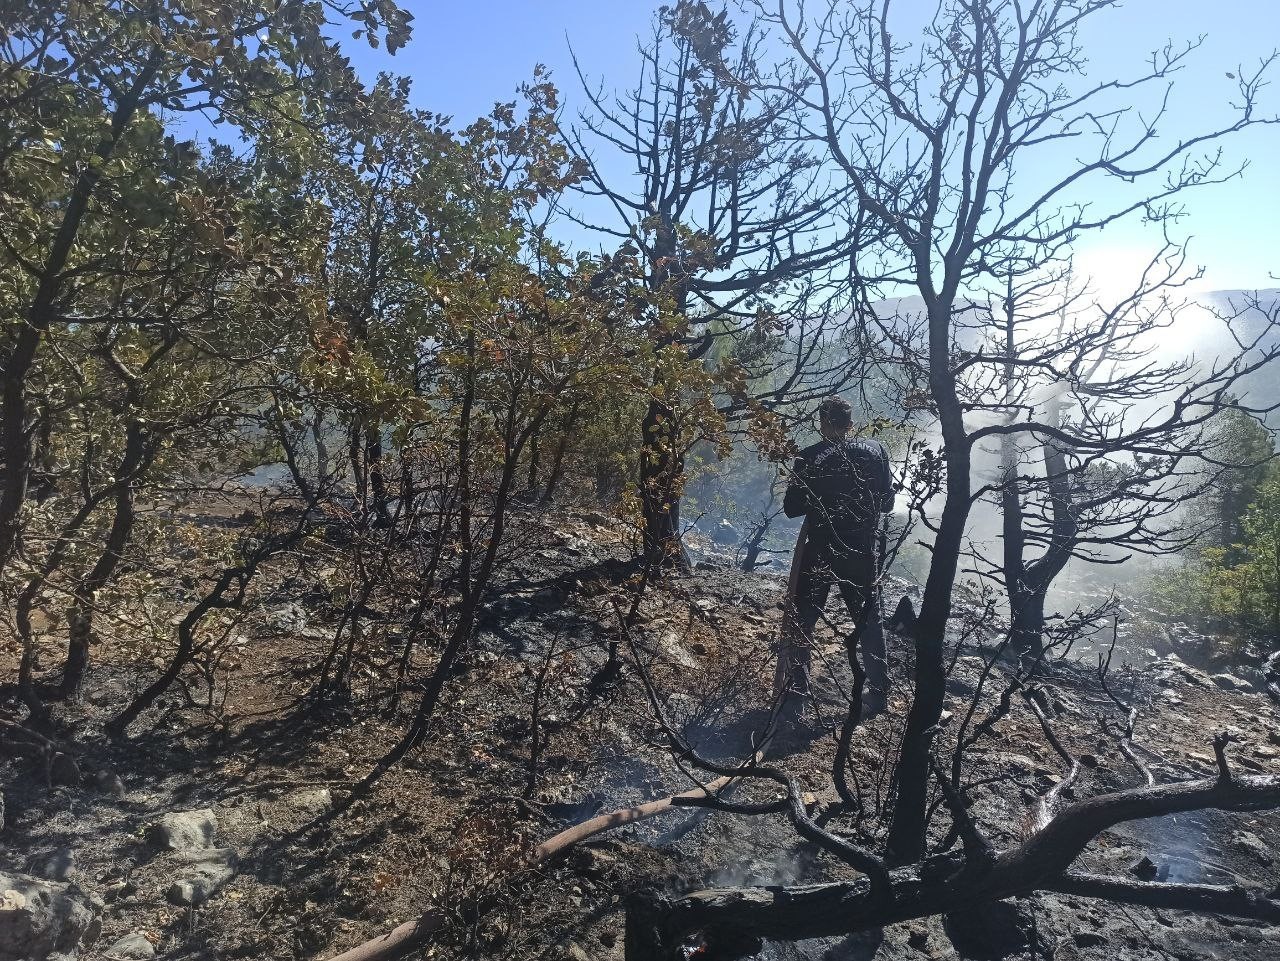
pixel 729 919
pixel 411 935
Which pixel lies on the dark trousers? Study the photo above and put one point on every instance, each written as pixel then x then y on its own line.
pixel 853 573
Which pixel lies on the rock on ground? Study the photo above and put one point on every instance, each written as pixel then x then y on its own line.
pixel 992 931
pixel 56 865
pixel 39 918
pixel 201 872
pixel 183 830
pixel 1229 682
pixel 132 947
pixel 313 803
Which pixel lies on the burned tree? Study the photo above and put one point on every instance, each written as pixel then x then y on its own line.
pixel 1104 440
pixel 83 93
pixel 967 870
pixel 933 139
pixel 734 921
pixel 734 222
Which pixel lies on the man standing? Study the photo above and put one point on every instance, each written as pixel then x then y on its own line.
pixel 841 486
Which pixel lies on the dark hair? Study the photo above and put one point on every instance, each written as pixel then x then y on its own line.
pixel 837 412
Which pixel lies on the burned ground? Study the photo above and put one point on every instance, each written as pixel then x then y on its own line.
pixel 318 867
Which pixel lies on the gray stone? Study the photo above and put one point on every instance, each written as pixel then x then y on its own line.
pixel 119 890
pixel 673 650
pixel 313 803
pixel 203 872
pixel 725 534
pixel 1253 845
pixel 1019 762
pixel 182 830
pixel 57 865
pixel 109 782
pixel 110 692
pixel 1144 869
pixel 288 619
pixel 988 932
pixel 592 862
pixel 40 919
pixel 132 947
pixel 1174 667
pixel 64 770
pixel 1229 682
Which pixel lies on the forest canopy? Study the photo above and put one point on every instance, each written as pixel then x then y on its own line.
pixel 288 357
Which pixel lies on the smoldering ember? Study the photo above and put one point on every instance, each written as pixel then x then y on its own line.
pixel 723 479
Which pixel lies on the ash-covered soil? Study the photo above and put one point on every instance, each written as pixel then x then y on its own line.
pixel 302 868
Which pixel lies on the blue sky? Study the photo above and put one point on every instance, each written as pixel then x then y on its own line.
pixel 465 56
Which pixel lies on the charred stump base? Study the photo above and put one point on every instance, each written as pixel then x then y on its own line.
pixel 729 924
pixel 657 932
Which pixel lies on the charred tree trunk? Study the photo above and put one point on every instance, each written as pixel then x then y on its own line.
pixel 80 614
pixel 1026 630
pixel 661 469
pixel 755 544
pixel 373 458
pixel 557 461
pixel 1026 604
pixel 755 540
pixel 907 833
pixel 1028 583
pixel 731 922
pixel 535 465
pixel 322 450
pixel 15 415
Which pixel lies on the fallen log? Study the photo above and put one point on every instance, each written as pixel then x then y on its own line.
pixel 414 934
pixel 729 919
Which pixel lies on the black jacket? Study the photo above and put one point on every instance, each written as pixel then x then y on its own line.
pixel 843 487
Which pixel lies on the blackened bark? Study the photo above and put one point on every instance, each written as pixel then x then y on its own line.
pixel 80 614
pixel 907 833
pixel 661 470
pixel 15 416
pixel 557 460
pixel 660 929
pixel 373 459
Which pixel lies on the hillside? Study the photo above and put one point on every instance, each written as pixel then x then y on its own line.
pixel 299 866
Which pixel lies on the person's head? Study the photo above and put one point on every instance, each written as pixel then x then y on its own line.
pixel 835 418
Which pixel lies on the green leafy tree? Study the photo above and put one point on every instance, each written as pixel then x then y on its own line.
pixel 1240 441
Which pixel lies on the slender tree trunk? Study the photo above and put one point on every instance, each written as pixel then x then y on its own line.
pixel 291 461
pixel 355 457
pixel 557 461
pixel 1039 575
pixel 755 543
pixel 661 470
pixel 322 450
pixel 15 438
pixel 1026 620
pixel 84 598
pixel 377 479
pixel 535 464
pixel 906 842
